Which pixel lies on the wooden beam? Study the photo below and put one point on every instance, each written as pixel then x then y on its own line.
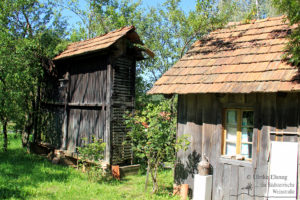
pixel 87 104
pixel 281 133
pixel 107 134
pixel 66 114
pixel 239 132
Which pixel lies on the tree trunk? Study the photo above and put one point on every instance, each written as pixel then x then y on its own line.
pixel 154 180
pixel 147 176
pixel 25 137
pixel 5 135
pixel 36 134
pixel 27 130
pixel 38 117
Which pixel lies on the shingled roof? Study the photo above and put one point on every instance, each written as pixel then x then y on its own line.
pixel 99 43
pixel 241 58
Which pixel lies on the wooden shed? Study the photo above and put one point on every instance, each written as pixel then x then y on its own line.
pixel 94 87
pixel 235 96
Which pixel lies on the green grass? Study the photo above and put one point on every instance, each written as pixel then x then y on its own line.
pixel 27 176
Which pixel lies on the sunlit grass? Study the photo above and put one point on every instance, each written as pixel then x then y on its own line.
pixel 27 176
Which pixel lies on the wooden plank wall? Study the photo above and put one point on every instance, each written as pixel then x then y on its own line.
pixel 84 123
pixel 88 81
pixel 87 86
pixel 123 101
pixel 200 117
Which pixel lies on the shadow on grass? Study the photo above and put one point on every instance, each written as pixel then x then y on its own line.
pixel 20 170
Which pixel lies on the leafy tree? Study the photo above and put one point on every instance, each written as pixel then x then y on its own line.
pixel 29 33
pixel 292 11
pixel 153 136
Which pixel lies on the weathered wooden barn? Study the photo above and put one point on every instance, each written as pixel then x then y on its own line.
pixel 95 86
pixel 235 96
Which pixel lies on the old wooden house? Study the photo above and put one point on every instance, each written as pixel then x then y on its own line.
pixel 95 86
pixel 235 96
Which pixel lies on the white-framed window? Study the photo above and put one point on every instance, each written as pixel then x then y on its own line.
pixel 238 133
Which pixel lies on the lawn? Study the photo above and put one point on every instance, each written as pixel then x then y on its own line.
pixel 27 176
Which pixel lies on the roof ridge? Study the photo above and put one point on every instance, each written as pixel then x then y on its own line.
pixel 239 23
pixel 114 31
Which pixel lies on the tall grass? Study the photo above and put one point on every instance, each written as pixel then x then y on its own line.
pixel 27 176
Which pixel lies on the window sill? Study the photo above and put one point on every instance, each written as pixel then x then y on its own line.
pixel 228 160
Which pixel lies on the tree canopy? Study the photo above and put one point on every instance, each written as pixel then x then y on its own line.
pixel 291 9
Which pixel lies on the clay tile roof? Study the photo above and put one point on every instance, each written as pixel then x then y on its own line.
pixel 99 43
pixel 240 58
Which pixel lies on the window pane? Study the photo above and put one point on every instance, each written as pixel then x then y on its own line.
pixel 230 149
pixel 247 119
pixel 231 117
pixel 247 134
pixel 247 150
pixel 231 133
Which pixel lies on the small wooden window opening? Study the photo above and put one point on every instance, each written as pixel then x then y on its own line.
pixel 238 133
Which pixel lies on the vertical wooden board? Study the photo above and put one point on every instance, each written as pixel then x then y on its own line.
pixel 103 84
pixel 100 124
pixel 291 112
pixel 193 154
pixel 199 110
pixel 191 105
pixel 207 126
pixel 267 112
pixel 179 167
pixel 198 125
pixel 218 185
pixel 249 187
pixel 226 179
pixel 74 129
pixel 216 134
pixel 180 122
pixel 234 182
pixel 107 133
pixel 193 129
pixel 183 170
pixel 243 181
pixel 260 182
pixel 270 105
pixel 256 134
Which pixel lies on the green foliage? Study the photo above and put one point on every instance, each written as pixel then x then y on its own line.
pixel 153 135
pixel 252 14
pixel 30 35
pixel 93 151
pixel 293 47
pixel 292 11
pixel 90 158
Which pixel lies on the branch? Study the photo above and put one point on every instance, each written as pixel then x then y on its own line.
pixel 188 42
pixel 153 73
pixel 28 25
pixel 73 11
